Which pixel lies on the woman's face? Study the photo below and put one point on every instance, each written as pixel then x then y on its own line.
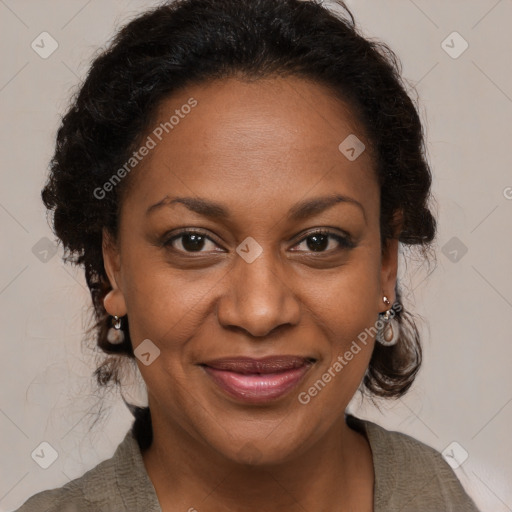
pixel 257 282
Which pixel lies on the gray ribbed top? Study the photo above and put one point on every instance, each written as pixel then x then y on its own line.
pixel 409 477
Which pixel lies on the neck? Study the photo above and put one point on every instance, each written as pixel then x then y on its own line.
pixel 336 473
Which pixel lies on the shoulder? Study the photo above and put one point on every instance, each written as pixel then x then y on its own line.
pixel 410 475
pixel 96 490
pixel 62 499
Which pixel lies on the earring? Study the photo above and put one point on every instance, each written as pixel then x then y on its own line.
pixel 115 335
pixel 388 334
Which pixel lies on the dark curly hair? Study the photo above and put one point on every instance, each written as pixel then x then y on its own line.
pixel 192 41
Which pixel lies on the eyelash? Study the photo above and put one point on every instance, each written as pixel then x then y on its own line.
pixel 344 241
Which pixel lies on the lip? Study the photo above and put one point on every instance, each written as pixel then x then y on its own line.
pixel 258 380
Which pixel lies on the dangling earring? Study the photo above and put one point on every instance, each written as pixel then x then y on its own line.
pixel 115 334
pixel 388 335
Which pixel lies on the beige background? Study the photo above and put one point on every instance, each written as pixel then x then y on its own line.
pixel 464 390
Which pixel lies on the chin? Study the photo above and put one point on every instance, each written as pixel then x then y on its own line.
pixel 261 452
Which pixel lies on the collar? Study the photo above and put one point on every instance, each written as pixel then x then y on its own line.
pixel 382 451
pixel 135 490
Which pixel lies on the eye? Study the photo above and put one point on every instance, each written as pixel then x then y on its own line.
pixel 318 241
pixel 191 241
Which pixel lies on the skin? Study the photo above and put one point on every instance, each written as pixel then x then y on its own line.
pixel 258 148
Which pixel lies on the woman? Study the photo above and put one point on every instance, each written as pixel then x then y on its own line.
pixel 235 177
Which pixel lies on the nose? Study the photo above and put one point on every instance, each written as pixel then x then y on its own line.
pixel 258 297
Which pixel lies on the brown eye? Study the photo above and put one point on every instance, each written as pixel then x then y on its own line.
pixel 190 241
pixel 319 241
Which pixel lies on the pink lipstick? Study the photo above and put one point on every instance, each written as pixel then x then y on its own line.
pixel 258 380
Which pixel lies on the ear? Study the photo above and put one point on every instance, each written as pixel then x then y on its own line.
pixel 389 263
pixel 114 300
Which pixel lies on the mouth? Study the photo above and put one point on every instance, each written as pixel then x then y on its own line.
pixel 258 380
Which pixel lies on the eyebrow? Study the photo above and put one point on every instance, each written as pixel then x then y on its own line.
pixel 299 211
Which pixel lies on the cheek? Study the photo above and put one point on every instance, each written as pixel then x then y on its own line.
pixel 346 297
pixel 163 302
pixel 165 309
pixel 344 307
pixel 345 312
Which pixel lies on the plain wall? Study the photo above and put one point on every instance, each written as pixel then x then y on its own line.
pixel 463 392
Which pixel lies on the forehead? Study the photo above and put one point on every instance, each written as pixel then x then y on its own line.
pixel 270 137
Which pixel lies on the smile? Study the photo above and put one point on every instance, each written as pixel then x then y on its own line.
pixel 256 381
